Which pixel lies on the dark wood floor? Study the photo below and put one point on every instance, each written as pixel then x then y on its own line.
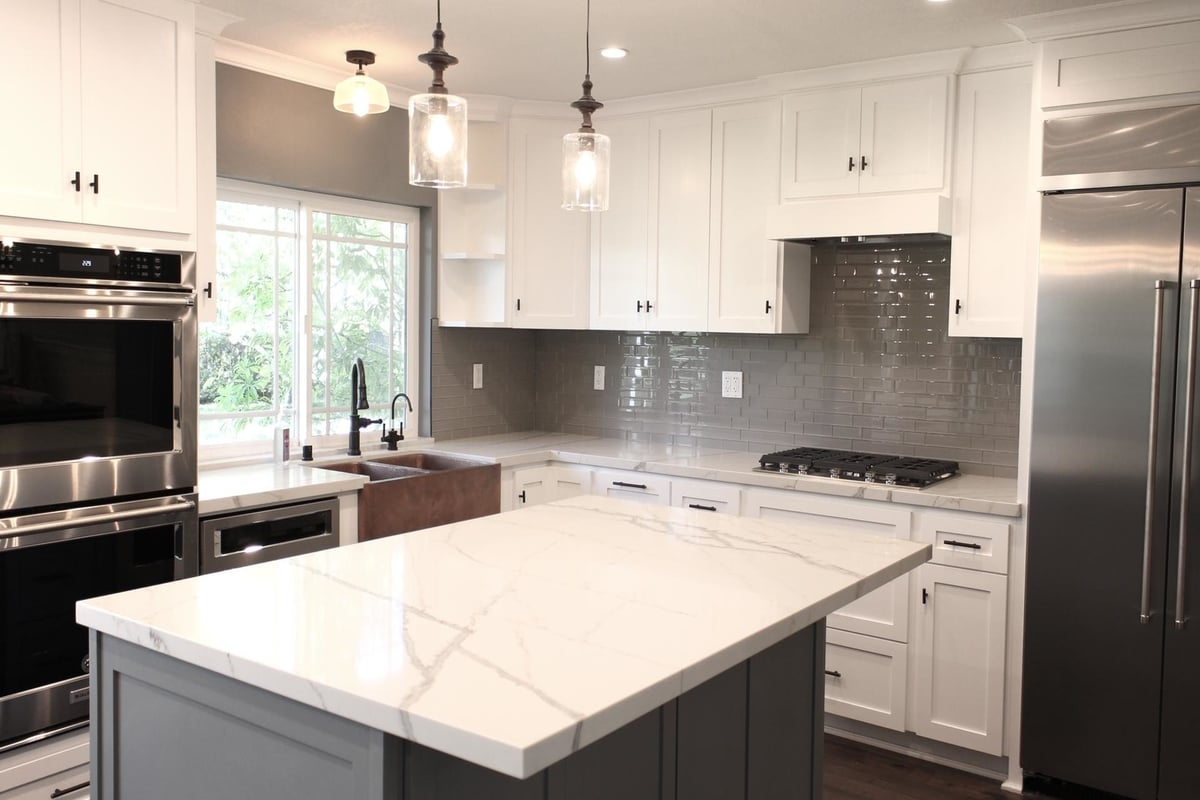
pixel 857 772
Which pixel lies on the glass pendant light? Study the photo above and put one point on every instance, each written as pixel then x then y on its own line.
pixel 437 125
pixel 360 94
pixel 586 154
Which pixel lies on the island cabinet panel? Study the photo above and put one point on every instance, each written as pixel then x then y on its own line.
pixel 165 728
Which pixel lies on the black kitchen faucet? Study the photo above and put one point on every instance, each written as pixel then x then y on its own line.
pixel 358 402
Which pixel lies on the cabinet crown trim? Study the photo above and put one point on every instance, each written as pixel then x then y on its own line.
pixel 1103 19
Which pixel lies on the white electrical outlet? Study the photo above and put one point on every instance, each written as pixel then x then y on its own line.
pixel 477 377
pixel 731 384
pixel 598 378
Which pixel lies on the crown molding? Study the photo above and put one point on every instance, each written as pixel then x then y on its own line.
pixel 1000 56
pixel 210 22
pixel 1107 18
pixel 936 62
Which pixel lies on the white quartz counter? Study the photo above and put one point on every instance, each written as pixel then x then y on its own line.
pixel 229 489
pixel 512 640
pixel 978 493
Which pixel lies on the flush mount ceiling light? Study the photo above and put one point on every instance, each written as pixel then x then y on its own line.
pixel 437 125
pixel 614 52
pixel 360 94
pixel 585 152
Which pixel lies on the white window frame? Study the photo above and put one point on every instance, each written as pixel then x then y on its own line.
pixel 307 203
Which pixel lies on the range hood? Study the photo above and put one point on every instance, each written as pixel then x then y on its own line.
pixel 861 217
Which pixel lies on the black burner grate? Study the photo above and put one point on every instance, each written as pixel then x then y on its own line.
pixel 855 466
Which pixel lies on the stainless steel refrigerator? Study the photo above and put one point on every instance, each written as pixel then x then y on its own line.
pixel 1111 695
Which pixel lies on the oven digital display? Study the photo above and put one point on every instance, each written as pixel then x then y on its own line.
pixel 92 263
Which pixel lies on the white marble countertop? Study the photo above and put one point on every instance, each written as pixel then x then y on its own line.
pixel 512 640
pixel 977 493
pixel 232 488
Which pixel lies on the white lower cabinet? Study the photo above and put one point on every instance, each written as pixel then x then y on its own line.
pixel 883 612
pixel 632 486
pixel 723 498
pixel 866 678
pixel 47 769
pixel 531 486
pixel 958 656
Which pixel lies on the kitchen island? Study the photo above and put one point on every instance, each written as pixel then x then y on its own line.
pixel 587 648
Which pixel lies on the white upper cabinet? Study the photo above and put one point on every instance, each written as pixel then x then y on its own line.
pixel 111 86
pixel 549 256
pixel 989 253
pixel 881 138
pixel 755 285
pixel 620 253
pixel 680 186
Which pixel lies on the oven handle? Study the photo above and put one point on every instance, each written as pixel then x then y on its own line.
pixel 99 519
pixel 75 296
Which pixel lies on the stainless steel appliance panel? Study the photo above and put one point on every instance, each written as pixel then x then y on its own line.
pixel 1125 148
pixel 48 561
pixel 97 393
pixel 1179 770
pixel 1100 463
pixel 267 534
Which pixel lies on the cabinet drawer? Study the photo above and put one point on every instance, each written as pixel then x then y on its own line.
pixel 966 542
pixel 706 496
pixel 632 486
pixel 45 788
pixel 35 772
pixel 866 678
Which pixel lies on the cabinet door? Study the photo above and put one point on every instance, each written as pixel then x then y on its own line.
pixel 138 114
pixel 549 254
pixel 533 486
pixel 571 482
pixel 39 57
pixel 619 235
pixel 959 657
pixel 743 269
pixel 883 612
pixel 820 144
pixel 989 259
pixel 903 137
pixel 680 172
pixel 866 678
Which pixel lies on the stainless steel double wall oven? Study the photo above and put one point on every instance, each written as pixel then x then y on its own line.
pixel 97 457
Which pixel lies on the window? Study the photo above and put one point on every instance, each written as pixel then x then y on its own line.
pixel 308 283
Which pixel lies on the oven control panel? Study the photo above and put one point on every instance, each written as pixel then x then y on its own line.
pixel 50 262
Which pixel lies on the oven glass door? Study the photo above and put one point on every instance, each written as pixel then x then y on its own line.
pixel 97 394
pixel 41 578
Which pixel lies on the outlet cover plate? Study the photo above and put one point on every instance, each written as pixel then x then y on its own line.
pixel 598 378
pixel 731 384
pixel 477 376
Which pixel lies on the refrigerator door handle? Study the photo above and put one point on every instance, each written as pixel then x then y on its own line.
pixel 1160 289
pixel 1186 475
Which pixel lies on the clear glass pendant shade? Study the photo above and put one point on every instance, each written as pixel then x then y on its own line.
pixel 585 163
pixel 437 140
pixel 360 95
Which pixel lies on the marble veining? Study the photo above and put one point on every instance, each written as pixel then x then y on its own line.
pixel 511 640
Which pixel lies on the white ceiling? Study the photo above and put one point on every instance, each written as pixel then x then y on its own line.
pixel 534 49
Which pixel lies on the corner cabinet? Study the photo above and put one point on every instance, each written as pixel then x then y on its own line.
pixel 549 257
pixel 755 285
pixel 108 88
pixel 887 137
pixel 989 257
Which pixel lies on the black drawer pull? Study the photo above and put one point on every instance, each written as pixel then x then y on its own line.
pixel 69 790
pixel 521 496
pixel 833 673
pixel 970 545
pixel 641 486
pixel 702 508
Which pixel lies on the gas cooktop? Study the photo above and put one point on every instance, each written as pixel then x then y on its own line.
pixel 854 466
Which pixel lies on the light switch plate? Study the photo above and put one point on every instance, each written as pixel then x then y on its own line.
pixel 477 376
pixel 598 378
pixel 731 384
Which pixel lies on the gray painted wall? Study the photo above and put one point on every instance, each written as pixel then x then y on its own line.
pixel 877 371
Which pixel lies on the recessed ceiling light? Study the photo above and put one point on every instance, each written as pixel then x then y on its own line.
pixel 614 52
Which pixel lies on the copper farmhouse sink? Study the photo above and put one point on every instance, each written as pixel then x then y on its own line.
pixel 411 491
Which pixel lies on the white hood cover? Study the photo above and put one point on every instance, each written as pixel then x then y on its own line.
pixel 860 215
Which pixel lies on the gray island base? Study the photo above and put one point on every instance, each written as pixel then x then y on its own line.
pixel 166 730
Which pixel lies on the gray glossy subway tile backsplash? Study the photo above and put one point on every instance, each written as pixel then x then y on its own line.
pixel 876 372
